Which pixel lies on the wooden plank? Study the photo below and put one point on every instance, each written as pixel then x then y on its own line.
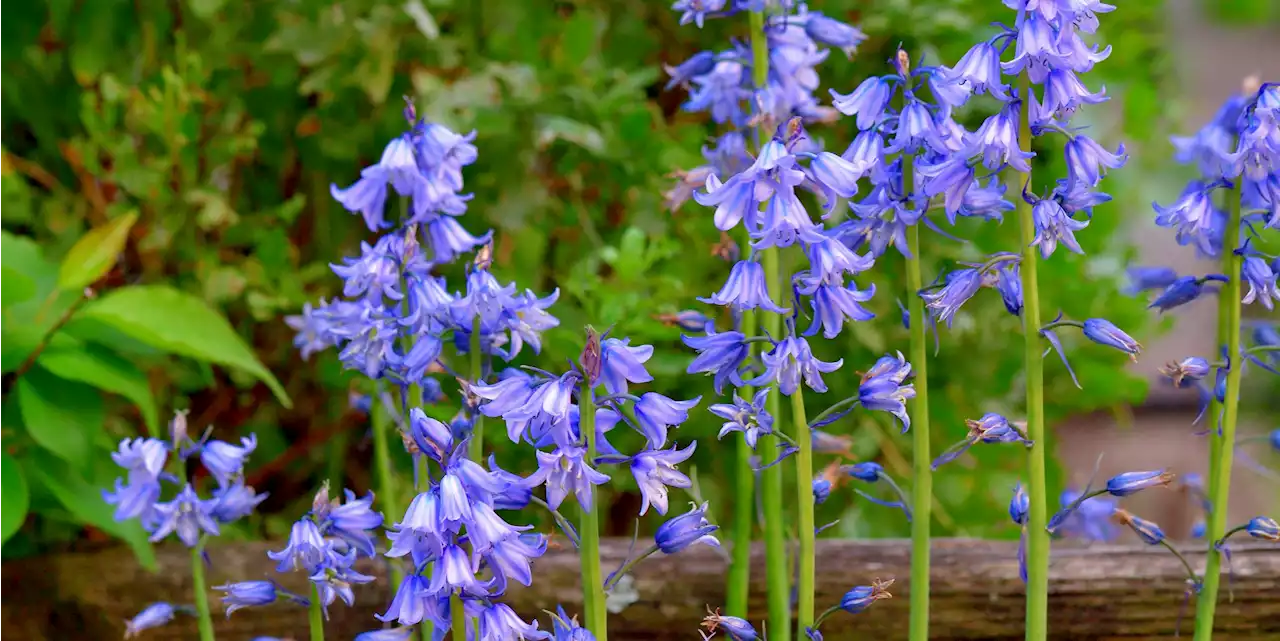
pixel 1101 592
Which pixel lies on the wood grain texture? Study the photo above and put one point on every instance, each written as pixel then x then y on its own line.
pixel 1100 592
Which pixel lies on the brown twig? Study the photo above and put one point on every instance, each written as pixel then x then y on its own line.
pixel 48 336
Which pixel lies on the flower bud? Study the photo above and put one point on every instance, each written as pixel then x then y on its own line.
pixel 1133 482
pixel 861 597
pixel 320 502
pixel 1263 527
pixel 1148 531
pixel 178 429
pixel 590 360
pixel 903 62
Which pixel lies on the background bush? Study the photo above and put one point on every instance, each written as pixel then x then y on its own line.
pixel 221 125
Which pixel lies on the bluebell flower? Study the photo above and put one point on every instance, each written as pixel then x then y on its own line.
pixel 868 101
pixel 699 64
pixel 432 438
pixel 1009 284
pixel 1146 530
pixel 566 628
pixel 837 177
pixel 720 354
pixel 685 530
pixel 745 289
pixel 695 11
pixel 997 140
pixel 407 606
pixel 144 457
pixel 134 500
pixel 916 128
pixel 234 502
pixel 1019 505
pixel 1210 147
pixel 1262 282
pixel 1087 160
pixel 1036 49
pixel 449 239
pixel 1191 217
pixel 821 490
pixel 1199 529
pixel 833 33
pixel 1133 482
pixel 791 359
pixel 1181 291
pixel 387 634
pixel 527 319
pixel 720 92
pixel 187 515
pixel 353 520
pixel 866 152
pixel 368 195
pixel 945 301
pixel 1054 225
pixel 1142 278
pixel 333 581
pixel 454 573
pixel 513 559
pixel 868 471
pixel 950 178
pixel 657 413
pixel 1063 93
pixel 152 616
pixel 1089 521
pixel 947 94
pixel 1275 439
pixel 566 471
pixel 226 461
pixel 882 389
pixel 831 260
pixel 785 220
pixel 1103 332
pixel 979 69
pixel 749 418
pixel 306 548
pixel 655 471
pixel 1191 369
pixel 833 303
pixel 621 363
pixel 737 628
pixel 1263 527
pixel 498 622
pixel 247 594
pixel 863 596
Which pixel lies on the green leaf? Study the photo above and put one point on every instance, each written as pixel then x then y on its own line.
pixel 15 287
pixel 553 128
pixel 95 253
pixel 180 324
pixel 62 416
pixel 84 501
pixel 16 495
pixel 104 369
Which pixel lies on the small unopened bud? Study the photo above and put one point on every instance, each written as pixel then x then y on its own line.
pixel 1251 84
pixel 904 63
pixel 590 360
pixel 688 320
pixel 792 133
pixel 410 111
pixel 410 242
pixel 320 503
pixel 178 429
pixel 484 257
pixel 1146 530
pixel 90 294
pixel 726 250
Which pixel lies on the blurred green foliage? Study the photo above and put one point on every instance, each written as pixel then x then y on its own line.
pixel 220 126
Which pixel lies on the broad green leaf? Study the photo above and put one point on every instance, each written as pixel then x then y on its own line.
pixel 95 253
pixel 62 416
pixel 15 287
pixel 104 369
pixel 26 322
pixel 84 501
pixel 181 324
pixel 16 496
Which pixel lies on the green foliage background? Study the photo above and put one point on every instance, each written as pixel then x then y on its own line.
pixel 222 125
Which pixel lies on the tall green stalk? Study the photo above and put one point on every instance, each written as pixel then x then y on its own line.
pixel 477 371
pixel 1037 621
pixel 381 424
pixel 204 621
pixel 589 531
pixel 458 618
pixel 315 614
pixel 775 538
pixel 921 463
pixel 1220 484
pixel 804 509
pixel 738 587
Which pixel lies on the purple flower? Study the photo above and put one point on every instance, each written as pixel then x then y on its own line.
pixel 700 64
pixel 821 490
pixel 1054 225
pixel 306 548
pixel 745 289
pixel 868 101
pixel 513 558
pixel 1191 217
pixel 656 413
pixel 833 33
pixel 1087 161
pixel 791 359
pixel 868 471
pixel 866 152
pixel 1187 371
pixel 1133 482
pixel 1262 527
pixel 1262 282
pixel 720 354
pixel 1146 530
pixel 837 176
pixel 1090 520
pixel 1063 93
pixel 566 471
pixel 235 502
pixel 916 127
pixel 860 598
pixel 1103 332
pixel 686 530
pixel 135 500
pixel 144 456
pixel 622 363
pixel 1019 505
pixel 1179 292
pixel 449 239
pixel 749 418
pixel 224 460
pixel 387 634
pixel 1036 50
pixel 152 616
pixel 408 607
pixel 720 92
pixel 188 515
pixel 247 594
pixel 832 303
pixel 1142 278
pixel 368 196
pixel 951 178
pixel 499 622
pixel 655 471
pixel 433 438
pixel 694 11
pixel 1009 284
pixel 353 520
pixel 997 140
pixel 334 579
pixel 881 388
pixel 945 301
pixel 979 69
pixel 737 628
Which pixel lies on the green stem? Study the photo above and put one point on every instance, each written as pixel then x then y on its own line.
pixel 1037 491
pixel 823 617
pixel 739 580
pixel 1186 565
pixel 804 509
pixel 315 614
pixel 1221 483
pixel 921 461
pixel 477 372
pixel 838 407
pixel 626 567
pixel 775 540
pixel 458 617
pixel 200 593
pixel 381 423
pixel 589 530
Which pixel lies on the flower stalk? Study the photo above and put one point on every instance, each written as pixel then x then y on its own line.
pixel 804 508
pixel 1224 437
pixel 922 470
pixel 589 530
pixel 458 618
pixel 1037 490
pixel 315 614
pixel 477 372
pixel 200 593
